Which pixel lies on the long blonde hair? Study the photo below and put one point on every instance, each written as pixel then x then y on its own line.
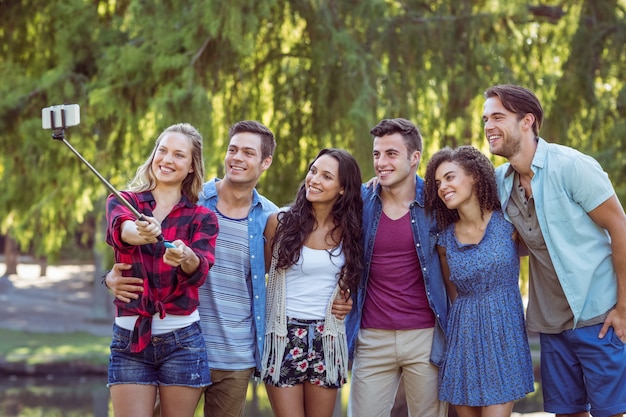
pixel 145 179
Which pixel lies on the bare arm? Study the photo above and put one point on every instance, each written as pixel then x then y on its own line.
pixel 270 232
pixel 124 288
pixel 610 216
pixel 141 232
pixel 445 270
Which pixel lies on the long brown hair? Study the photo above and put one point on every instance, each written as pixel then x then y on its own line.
pixel 296 224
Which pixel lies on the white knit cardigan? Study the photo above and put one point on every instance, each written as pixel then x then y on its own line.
pixel 334 341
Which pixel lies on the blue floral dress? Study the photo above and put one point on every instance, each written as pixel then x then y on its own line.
pixel 487 357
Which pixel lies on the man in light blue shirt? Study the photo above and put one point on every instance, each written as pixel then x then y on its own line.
pixel 565 210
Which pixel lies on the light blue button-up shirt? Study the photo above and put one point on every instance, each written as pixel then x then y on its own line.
pixel 567 185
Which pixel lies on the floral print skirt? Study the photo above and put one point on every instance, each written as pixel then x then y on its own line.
pixel 303 359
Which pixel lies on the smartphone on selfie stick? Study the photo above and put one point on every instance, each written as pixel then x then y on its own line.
pixel 66 115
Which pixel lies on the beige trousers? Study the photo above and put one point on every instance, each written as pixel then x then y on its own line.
pixel 381 359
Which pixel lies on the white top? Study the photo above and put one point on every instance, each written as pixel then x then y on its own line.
pixel 168 324
pixel 311 282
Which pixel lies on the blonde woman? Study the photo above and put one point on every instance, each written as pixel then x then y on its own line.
pixel 157 340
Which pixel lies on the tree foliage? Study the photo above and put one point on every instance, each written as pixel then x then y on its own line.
pixel 318 72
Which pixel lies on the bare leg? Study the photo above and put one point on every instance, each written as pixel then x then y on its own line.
pixel 467 411
pixel 133 400
pixel 498 410
pixel 286 402
pixel 179 401
pixel 319 401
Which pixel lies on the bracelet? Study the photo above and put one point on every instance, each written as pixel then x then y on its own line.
pixel 104 279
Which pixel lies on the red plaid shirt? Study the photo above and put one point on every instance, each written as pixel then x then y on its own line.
pixel 166 289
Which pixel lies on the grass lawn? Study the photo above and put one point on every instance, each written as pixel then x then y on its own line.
pixel 53 348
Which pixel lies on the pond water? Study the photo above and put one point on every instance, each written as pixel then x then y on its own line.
pixel 89 397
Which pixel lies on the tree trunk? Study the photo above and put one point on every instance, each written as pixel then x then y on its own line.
pixel 11 255
pixel 43 266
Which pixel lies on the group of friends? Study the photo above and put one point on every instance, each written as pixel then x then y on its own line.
pixel 402 280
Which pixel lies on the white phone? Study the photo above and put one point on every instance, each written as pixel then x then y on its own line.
pixel 53 117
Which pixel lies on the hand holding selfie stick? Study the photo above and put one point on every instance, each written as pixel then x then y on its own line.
pixel 59 134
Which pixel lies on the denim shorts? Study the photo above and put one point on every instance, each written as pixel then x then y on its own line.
pixel 581 372
pixel 174 358
pixel 304 357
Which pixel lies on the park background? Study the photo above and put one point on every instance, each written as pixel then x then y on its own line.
pixel 319 73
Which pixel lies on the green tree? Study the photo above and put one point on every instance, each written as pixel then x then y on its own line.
pixel 318 72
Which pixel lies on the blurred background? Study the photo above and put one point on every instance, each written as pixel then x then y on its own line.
pixel 319 73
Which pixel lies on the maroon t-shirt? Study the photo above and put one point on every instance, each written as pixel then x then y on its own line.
pixel 396 295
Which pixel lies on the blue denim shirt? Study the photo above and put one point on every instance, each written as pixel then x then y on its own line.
pixel 425 238
pixel 567 185
pixel 257 219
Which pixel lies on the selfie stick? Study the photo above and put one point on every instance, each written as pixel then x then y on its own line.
pixel 59 134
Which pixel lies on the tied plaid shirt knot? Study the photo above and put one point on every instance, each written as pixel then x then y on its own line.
pixel 166 290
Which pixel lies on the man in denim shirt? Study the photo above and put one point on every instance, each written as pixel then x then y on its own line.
pixel 396 328
pixel 565 210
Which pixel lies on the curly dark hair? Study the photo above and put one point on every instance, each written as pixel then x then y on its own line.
pixel 297 223
pixel 476 165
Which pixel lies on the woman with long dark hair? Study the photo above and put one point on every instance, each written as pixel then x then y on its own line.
pixel 315 251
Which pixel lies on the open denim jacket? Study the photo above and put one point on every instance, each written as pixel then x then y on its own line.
pixel 425 237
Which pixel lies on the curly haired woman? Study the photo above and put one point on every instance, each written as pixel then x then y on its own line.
pixel 487 365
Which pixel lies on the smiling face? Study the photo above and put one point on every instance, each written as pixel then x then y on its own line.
pixel 243 162
pixel 503 129
pixel 172 160
pixel 454 186
pixel 392 163
pixel 322 182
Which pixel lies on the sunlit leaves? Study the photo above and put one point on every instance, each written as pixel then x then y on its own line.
pixel 318 72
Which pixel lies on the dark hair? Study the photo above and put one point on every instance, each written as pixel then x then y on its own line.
pixel 296 224
pixel 520 101
pixel 476 165
pixel 410 133
pixel 268 142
